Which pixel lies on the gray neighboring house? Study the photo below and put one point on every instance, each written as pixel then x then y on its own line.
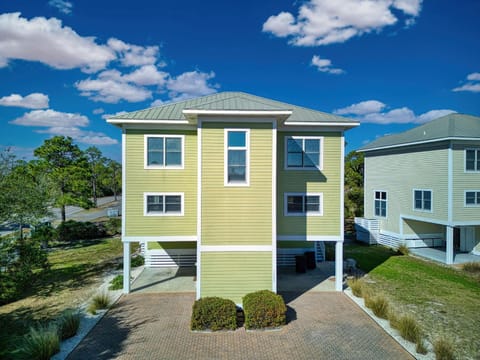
pixel 422 187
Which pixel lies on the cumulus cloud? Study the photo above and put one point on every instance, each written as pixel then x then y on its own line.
pixel 157 102
pixel 147 75
pixel 191 84
pixel 98 111
pixel 372 111
pixel 323 22
pixel 472 84
pixel 62 6
pixel 134 55
pixel 60 123
pixel 48 41
pixel 325 65
pixel 32 101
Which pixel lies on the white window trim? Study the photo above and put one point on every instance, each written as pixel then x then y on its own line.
pixel 182 204
pixel 285 158
pixel 285 203
pixel 386 204
pixel 225 158
pixel 465 161
pixel 165 167
pixel 431 200
pixel 465 199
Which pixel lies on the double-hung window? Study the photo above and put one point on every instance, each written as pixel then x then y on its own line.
pixel 472 160
pixel 381 203
pixel 164 151
pixel 236 157
pixel 163 204
pixel 303 152
pixel 472 198
pixel 422 200
pixel 301 204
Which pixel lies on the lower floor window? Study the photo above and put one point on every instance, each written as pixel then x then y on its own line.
pixel 472 198
pixel 381 203
pixel 303 204
pixel 163 204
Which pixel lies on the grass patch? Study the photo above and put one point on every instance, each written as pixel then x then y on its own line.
pixel 68 324
pixel 441 298
pixel 368 257
pixel 443 349
pixel 40 343
pixel 99 301
pixel 116 283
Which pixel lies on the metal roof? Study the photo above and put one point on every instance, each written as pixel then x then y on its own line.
pixel 452 126
pixel 231 101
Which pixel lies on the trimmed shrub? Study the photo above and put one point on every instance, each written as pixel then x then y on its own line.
pixel 264 309
pixel 403 250
pixel 137 261
pixel 214 313
pixel 409 328
pixel 100 301
pixel 443 349
pixel 40 343
pixel 116 283
pixel 72 230
pixel 379 305
pixel 68 324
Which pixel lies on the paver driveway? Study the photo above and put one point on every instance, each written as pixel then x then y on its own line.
pixel 322 325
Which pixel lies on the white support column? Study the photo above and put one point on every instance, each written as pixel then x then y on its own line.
pixel 449 255
pixel 126 267
pixel 339 266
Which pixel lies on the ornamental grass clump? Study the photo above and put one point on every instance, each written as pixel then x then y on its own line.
pixel 214 313
pixel 379 305
pixel 68 324
pixel 409 328
pixel 443 349
pixel 100 301
pixel 403 250
pixel 264 309
pixel 356 285
pixel 40 343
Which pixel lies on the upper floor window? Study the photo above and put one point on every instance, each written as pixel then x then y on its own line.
pixel 303 152
pixel 236 157
pixel 381 203
pixel 301 204
pixel 164 151
pixel 422 200
pixel 472 160
pixel 163 204
pixel 472 198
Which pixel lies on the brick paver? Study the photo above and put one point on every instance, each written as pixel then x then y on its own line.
pixel 156 326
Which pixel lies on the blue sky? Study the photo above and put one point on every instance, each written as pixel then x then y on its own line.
pixel 391 64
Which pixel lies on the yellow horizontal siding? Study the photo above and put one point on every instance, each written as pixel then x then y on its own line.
pixel 140 180
pixel 326 181
pixel 236 215
pixel 232 275
pixel 171 245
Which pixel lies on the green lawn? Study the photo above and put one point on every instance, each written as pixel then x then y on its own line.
pixel 445 300
pixel 75 274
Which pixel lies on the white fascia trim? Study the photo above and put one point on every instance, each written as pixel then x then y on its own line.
pixel 323 129
pixel 238 112
pixel 199 208
pixel 158 122
pixel 274 206
pixel 329 124
pixel 159 127
pixel 124 182
pixel 173 238
pixel 424 219
pixel 235 248
pixel 309 238
pixel 417 143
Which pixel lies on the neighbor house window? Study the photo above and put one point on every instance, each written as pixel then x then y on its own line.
pixel 163 204
pixel 303 152
pixel 236 157
pixel 472 198
pixel 422 200
pixel 472 160
pixel 164 151
pixel 301 204
pixel 381 203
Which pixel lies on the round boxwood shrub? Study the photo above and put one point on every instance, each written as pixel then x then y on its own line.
pixel 264 309
pixel 214 313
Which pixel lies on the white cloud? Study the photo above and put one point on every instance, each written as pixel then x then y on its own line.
pixel 62 6
pixel 323 22
pixel 191 84
pixel 32 101
pixel 371 111
pixel 473 84
pixel 362 108
pixel 60 123
pixel 325 65
pixel 157 102
pixel 147 75
pixel 98 111
pixel 47 41
pixel 134 55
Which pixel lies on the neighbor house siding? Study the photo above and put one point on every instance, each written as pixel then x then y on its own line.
pixel 232 275
pixel 236 215
pixel 140 181
pixel 464 181
pixel 423 167
pixel 326 181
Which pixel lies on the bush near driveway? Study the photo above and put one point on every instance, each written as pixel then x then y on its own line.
pixel 264 309
pixel 214 313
